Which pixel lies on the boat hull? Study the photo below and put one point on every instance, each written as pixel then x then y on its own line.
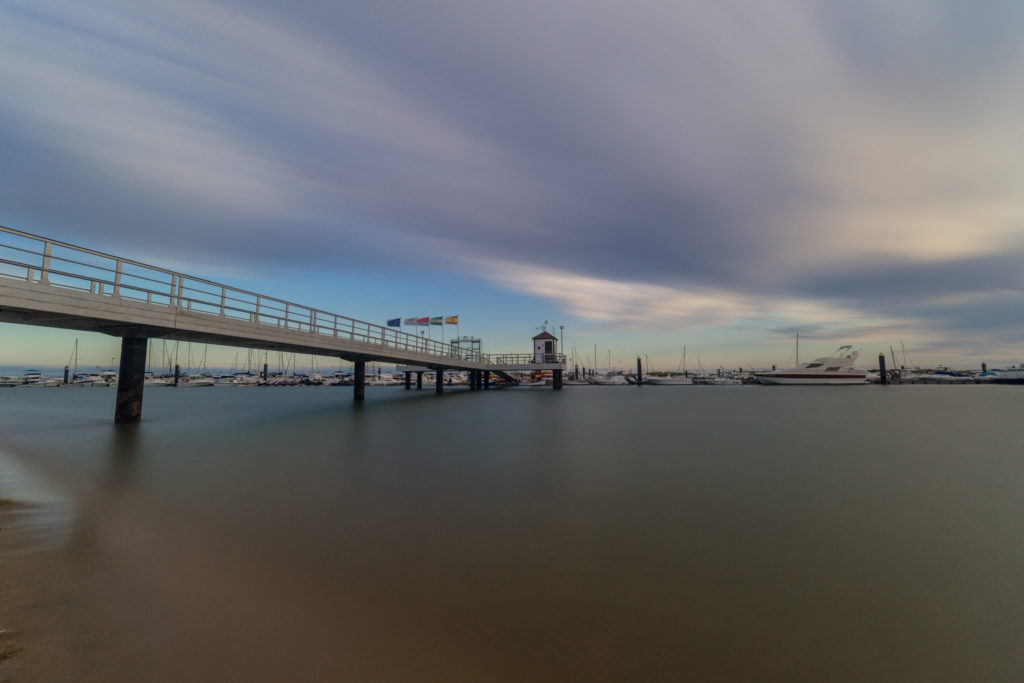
pixel 794 378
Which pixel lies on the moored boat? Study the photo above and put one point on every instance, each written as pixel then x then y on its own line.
pixel 835 369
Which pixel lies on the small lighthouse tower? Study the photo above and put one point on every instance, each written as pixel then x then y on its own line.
pixel 545 348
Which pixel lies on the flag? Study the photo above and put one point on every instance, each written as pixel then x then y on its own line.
pixel 423 321
pixel 452 320
pixel 395 322
pixel 411 322
pixel 435 321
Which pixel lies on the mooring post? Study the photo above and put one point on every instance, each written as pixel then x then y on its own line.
pixel 556 380
pixel 65 374
pixel 487 379
pixel 883 377
pixel 639 372
pixel 419 379
pixel 438 380
pixel 264 372
pixel 359 385
pixel 130 380
pixel 408 380
pixel 177 373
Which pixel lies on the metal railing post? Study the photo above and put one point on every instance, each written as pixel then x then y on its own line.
pixel 44 276
pixel 117 278
pixel 223 298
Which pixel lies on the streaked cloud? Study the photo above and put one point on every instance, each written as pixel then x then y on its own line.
pixel 852 166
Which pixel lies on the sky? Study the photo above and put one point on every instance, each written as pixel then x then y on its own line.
pixel 643 176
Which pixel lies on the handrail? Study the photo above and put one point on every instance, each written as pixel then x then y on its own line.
pixel 190 293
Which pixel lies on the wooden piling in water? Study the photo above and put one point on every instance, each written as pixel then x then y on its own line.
pixel 487 379
pixel 438 380
pixel 177 373
pixel 131 380
pixel 883 376
pixel 408 380
pixel 359 383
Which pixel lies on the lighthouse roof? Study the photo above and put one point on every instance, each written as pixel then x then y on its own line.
pixel 546 335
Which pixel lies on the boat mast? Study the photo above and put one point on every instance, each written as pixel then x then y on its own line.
pixel 798 349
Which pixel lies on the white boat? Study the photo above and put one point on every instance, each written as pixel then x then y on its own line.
pixel 9 381
pixel 151 380
pixel 608 379
pixel 835 369
pixel 668 380
pixel 195 381
pixel 1011 375
pixel 95 379
pixel 34 378
pixel 723 379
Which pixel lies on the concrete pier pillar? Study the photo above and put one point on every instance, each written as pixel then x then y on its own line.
pixel 131 379
pixel 177 373
pixel 439 380
pixel 419 379
pixel 359 385
pixel 265 372
pixel 408 380
pixel 639 372
pixel 556 380
pixel 883 376
pixel 66 374
pixel 487 379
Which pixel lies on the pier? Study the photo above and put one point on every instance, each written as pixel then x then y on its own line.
pixel 51 283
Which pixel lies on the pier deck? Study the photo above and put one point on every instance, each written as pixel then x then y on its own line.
pixel 55 284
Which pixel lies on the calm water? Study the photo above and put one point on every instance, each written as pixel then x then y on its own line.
pixel 593 534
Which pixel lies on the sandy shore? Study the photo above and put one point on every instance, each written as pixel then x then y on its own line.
pixel 49 624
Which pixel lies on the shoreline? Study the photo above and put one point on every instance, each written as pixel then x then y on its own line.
pixel 44 592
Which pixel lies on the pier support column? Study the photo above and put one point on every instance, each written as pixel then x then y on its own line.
pixel 439 380
pixel 471 380
pixel 359 385
pixel 639 372
pixel 487 379
pixel 177 373
pixel 556 380
pixel 131 379
pixel 479 379
pixel 883 377
pixel 408 380
pixel 419 379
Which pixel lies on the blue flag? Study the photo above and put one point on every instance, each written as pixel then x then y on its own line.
pixel 395 322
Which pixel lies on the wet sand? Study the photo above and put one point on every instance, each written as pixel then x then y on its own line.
pixel 45 631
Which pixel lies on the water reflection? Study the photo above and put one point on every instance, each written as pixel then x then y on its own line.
pixel 592 534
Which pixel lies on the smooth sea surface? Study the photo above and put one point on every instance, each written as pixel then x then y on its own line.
pixel 669 533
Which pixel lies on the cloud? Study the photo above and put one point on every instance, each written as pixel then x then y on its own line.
pixel 704 163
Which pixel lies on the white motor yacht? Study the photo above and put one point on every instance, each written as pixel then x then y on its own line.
pixel 34 378
pixel 835 369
